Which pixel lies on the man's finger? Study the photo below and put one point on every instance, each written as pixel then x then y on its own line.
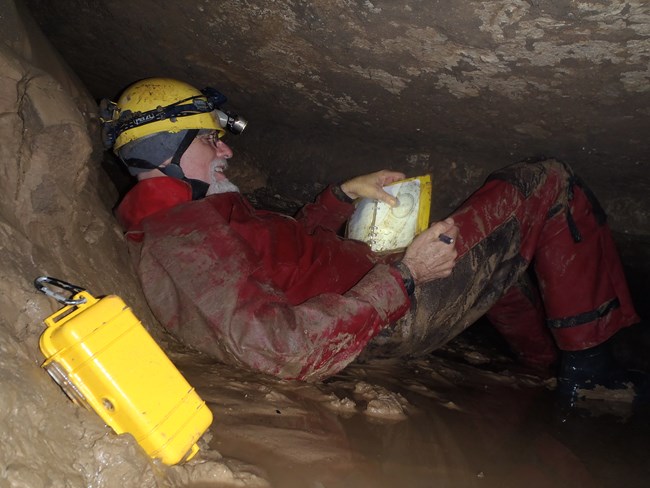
pixel 389 200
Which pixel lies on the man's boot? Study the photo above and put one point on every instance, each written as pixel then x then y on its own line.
pixel 595 374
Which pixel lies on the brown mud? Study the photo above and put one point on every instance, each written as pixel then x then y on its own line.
pixel 457 419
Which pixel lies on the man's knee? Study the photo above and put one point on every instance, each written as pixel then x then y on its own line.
pixel 528 175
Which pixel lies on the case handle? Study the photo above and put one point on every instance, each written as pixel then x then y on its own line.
pixel 39 283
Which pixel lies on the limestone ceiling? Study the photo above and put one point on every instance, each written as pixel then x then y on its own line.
pixel 451 86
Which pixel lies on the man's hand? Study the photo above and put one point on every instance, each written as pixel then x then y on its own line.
pixel 427 257
pixel 370 186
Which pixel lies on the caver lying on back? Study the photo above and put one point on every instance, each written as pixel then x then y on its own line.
pixel 289 297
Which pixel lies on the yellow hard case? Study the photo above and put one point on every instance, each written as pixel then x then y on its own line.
pixel 104 359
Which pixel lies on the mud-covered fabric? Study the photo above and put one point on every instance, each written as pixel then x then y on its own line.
pixel 538 213
pixel 520 319
pixel 258 289
pixel 291 298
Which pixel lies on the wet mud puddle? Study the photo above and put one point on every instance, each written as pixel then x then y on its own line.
pixel 434 422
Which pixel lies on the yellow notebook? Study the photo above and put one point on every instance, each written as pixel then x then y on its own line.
pixel 388 229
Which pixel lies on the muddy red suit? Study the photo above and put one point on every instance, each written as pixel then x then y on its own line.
pixel 291 298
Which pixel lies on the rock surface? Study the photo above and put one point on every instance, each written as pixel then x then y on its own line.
pixel 55 220
pixel 337 88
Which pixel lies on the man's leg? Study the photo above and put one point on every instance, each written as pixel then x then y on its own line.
pixel 442 309
pixel 521 211
pixel 562 226
pixel 520 319
pixel 564 233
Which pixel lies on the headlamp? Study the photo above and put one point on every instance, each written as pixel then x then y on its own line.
pixel 227 119
pixel 231 121
pixel 115 122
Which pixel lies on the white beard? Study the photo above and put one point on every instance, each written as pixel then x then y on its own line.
pixel 221 185
pixel 224 186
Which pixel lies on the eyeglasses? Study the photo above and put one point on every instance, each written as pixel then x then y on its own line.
pixel 212 138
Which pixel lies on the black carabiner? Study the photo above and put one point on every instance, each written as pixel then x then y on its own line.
pixel 40 286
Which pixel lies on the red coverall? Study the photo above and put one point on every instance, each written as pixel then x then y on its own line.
pixel 291 298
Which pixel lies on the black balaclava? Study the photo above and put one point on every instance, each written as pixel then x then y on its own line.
pixel 150 152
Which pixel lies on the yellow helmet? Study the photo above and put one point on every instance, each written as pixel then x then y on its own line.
pixel 157 105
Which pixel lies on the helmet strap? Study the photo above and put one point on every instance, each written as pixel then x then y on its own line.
pixel 177 171
pixel 199 188
pixel 173 169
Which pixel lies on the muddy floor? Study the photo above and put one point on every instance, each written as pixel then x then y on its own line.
pixel 466 417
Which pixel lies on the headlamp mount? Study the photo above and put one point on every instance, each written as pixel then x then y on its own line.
pixel 112 127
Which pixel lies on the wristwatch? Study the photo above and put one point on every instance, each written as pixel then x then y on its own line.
pixel 407 277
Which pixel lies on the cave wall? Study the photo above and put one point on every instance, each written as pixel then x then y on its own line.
pixel 335 88
pixel 55 219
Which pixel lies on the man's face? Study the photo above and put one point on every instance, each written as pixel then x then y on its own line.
pixel 206 159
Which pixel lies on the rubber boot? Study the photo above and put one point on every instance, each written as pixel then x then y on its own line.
pixel 581 371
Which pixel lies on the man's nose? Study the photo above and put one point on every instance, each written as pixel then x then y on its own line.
pixel 222 150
